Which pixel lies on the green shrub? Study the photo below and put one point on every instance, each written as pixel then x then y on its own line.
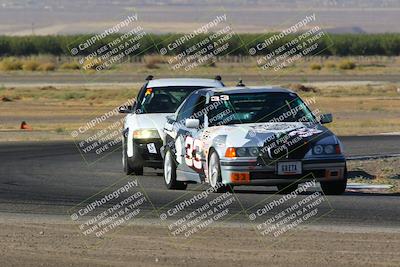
pixel 92 64
pixel 347 65
pixel 48 66
pixel 70 66
pixel 315 66
pixel 30 65
pixel 330 65
pixel 8 64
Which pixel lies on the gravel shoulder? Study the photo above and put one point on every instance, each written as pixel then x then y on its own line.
pixel 32 240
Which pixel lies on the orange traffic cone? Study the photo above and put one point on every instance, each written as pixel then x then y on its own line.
pixel 25 126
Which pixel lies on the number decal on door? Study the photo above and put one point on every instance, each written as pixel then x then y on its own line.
pixel 193 148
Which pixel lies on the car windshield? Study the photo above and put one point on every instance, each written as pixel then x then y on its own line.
pixel 163 99
pixel 258 107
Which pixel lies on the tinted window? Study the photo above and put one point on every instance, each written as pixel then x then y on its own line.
pixel 188 107
pixel 163 99
pixel 199 110
pixel 260 107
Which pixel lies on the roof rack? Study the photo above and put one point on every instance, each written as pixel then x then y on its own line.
pixel 240 84
pixel 149 78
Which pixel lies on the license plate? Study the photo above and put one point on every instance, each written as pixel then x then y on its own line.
pixel 151 148
pixel 289 167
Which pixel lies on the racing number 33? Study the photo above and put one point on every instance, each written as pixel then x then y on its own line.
pixel 193 148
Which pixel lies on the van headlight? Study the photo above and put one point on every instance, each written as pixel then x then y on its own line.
pixel 146 134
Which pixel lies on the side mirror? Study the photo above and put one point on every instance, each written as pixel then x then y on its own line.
pixel 171 118
pixel 325 118
pixel 192 123
pixel 125 109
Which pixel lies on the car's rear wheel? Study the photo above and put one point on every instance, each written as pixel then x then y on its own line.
pixel 170 173
pixel 214 174
pixel 132 165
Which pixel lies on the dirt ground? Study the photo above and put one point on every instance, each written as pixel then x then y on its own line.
pixel 48 242
pixel 379 171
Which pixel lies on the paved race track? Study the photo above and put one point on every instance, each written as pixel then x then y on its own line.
pixel 52 177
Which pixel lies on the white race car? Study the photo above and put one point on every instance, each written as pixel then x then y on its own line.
pixel 251 136
pixel 143 128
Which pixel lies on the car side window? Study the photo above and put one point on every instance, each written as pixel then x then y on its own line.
pixel 199 109
pixel 187 107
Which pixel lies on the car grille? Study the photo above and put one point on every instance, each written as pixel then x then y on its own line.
pixel 291 149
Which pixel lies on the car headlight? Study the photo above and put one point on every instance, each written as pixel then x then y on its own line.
pixel 233 152
pixel 253 151
pixel 318 150
pixel 241 151
pixel 329 149
pixel 326 149
pixel 146 134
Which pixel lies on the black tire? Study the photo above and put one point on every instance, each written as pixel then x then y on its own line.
pixel 132 165
pixel 125 163
pixel 287 188
pixel 335 187
pixel 170 173
pixel 218 186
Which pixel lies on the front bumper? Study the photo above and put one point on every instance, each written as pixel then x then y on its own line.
pixel 148 150
pixel 253 172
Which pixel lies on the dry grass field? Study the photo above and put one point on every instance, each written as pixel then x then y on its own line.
pixel 55 109
pixel 314 65
pixel 358 109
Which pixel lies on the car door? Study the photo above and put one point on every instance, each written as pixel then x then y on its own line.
pixel 187 145
pixel 193 144
pixel 175 128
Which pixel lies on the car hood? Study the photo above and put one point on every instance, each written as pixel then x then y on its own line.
pixel 260 134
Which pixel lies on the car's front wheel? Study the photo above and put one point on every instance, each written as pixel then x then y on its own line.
pixel 334 187
pixel 214 174
pixel 170 173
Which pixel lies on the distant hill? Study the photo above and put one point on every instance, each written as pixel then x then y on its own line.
pixel 346 30
pixel 42 17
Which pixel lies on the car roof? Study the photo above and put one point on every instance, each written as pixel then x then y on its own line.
pixel 184 82
pixel 250 89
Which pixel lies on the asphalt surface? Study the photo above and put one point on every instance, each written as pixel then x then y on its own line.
pixel 53 177
pixel 115 77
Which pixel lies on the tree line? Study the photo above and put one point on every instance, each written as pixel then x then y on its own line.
pixel 332 44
